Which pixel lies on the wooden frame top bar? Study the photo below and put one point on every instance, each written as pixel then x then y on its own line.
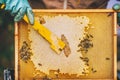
pixel 73 10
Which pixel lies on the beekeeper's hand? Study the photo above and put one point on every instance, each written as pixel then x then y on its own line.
pixel 18 8
pixel 116 7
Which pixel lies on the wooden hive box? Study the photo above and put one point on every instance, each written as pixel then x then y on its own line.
pixel 102 56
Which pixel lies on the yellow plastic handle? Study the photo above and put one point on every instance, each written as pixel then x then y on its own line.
pixel 2 6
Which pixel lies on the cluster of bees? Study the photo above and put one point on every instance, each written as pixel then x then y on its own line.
pixel 85 43
pixel 25 52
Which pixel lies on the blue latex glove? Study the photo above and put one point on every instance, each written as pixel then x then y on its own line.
pixel 116 7
pixel 19 8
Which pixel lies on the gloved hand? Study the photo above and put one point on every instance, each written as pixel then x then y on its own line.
pixel 9 74
pixel 18 8
pixel 116 7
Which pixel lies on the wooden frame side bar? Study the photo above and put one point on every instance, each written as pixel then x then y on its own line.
pixel 115 46
pixel 16 50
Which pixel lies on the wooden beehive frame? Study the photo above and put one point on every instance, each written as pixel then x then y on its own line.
pixel 71 11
